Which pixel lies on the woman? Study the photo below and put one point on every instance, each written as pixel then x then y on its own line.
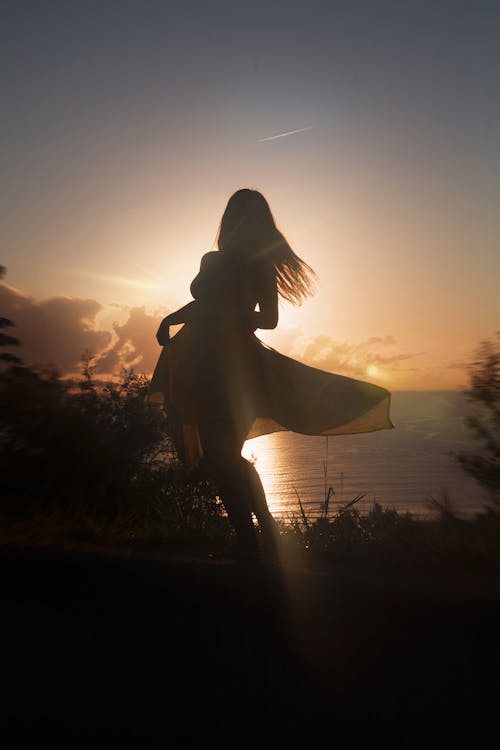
pixel 221 385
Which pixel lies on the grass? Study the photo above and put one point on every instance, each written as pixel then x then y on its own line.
pixel 338 534
pixel 81 463
pixel 342 532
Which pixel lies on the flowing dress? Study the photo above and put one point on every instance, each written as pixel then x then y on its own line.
pixel 217 368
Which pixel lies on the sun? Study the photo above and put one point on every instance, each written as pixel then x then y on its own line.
pixel 372 371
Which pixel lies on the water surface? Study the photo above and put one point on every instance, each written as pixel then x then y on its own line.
pixel 400 468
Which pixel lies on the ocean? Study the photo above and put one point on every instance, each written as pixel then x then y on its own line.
pixel 401 468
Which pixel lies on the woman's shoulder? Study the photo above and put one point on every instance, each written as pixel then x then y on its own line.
pixel 217 263
pixel 209 259
pixel 209 275
pixel 246 270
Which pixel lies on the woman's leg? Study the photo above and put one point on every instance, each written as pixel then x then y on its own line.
pixel 259 506
pixel 222 453
pixel 240 485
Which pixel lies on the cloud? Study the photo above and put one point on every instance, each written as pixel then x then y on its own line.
pixel 381 340
pixel 57 331
pixel 351 358
pixel 135 344
pixel 53 332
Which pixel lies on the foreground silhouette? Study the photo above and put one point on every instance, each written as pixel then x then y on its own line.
pixel 142 651
pixel 221 385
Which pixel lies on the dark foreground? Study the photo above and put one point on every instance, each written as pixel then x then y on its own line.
pixel 114 650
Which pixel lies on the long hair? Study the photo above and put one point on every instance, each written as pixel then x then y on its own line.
pixel 247 230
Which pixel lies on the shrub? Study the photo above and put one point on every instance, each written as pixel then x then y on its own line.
pixel 484 422
pixel 94 450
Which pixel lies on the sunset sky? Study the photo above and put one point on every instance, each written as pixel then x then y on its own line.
pixel 127 125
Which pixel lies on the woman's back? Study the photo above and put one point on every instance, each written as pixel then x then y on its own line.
pixel 227 291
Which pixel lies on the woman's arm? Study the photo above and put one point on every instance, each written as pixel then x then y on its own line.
pixel 267 315
pixel 183 315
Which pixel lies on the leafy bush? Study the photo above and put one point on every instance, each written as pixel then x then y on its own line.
pixel 99 451
pixel 484 396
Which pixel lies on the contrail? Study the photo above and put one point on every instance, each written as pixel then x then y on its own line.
pixel 282 135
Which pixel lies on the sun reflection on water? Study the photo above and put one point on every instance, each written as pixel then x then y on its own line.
pixel 260 453
pixel 271 459
pixel 397 468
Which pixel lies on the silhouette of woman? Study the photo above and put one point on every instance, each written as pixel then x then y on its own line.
pixel 221 385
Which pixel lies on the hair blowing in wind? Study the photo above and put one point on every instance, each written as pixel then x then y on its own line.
pixel 248 230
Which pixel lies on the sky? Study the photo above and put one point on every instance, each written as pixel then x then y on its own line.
pixel 371 126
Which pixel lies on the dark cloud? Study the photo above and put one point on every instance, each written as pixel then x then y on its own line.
pixel 56 332
pixel 53 332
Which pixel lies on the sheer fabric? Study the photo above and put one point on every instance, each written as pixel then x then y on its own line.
pixel 216 368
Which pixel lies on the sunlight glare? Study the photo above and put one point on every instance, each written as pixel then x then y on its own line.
pixel 373 371
pixel 114 279
pixel 259 452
